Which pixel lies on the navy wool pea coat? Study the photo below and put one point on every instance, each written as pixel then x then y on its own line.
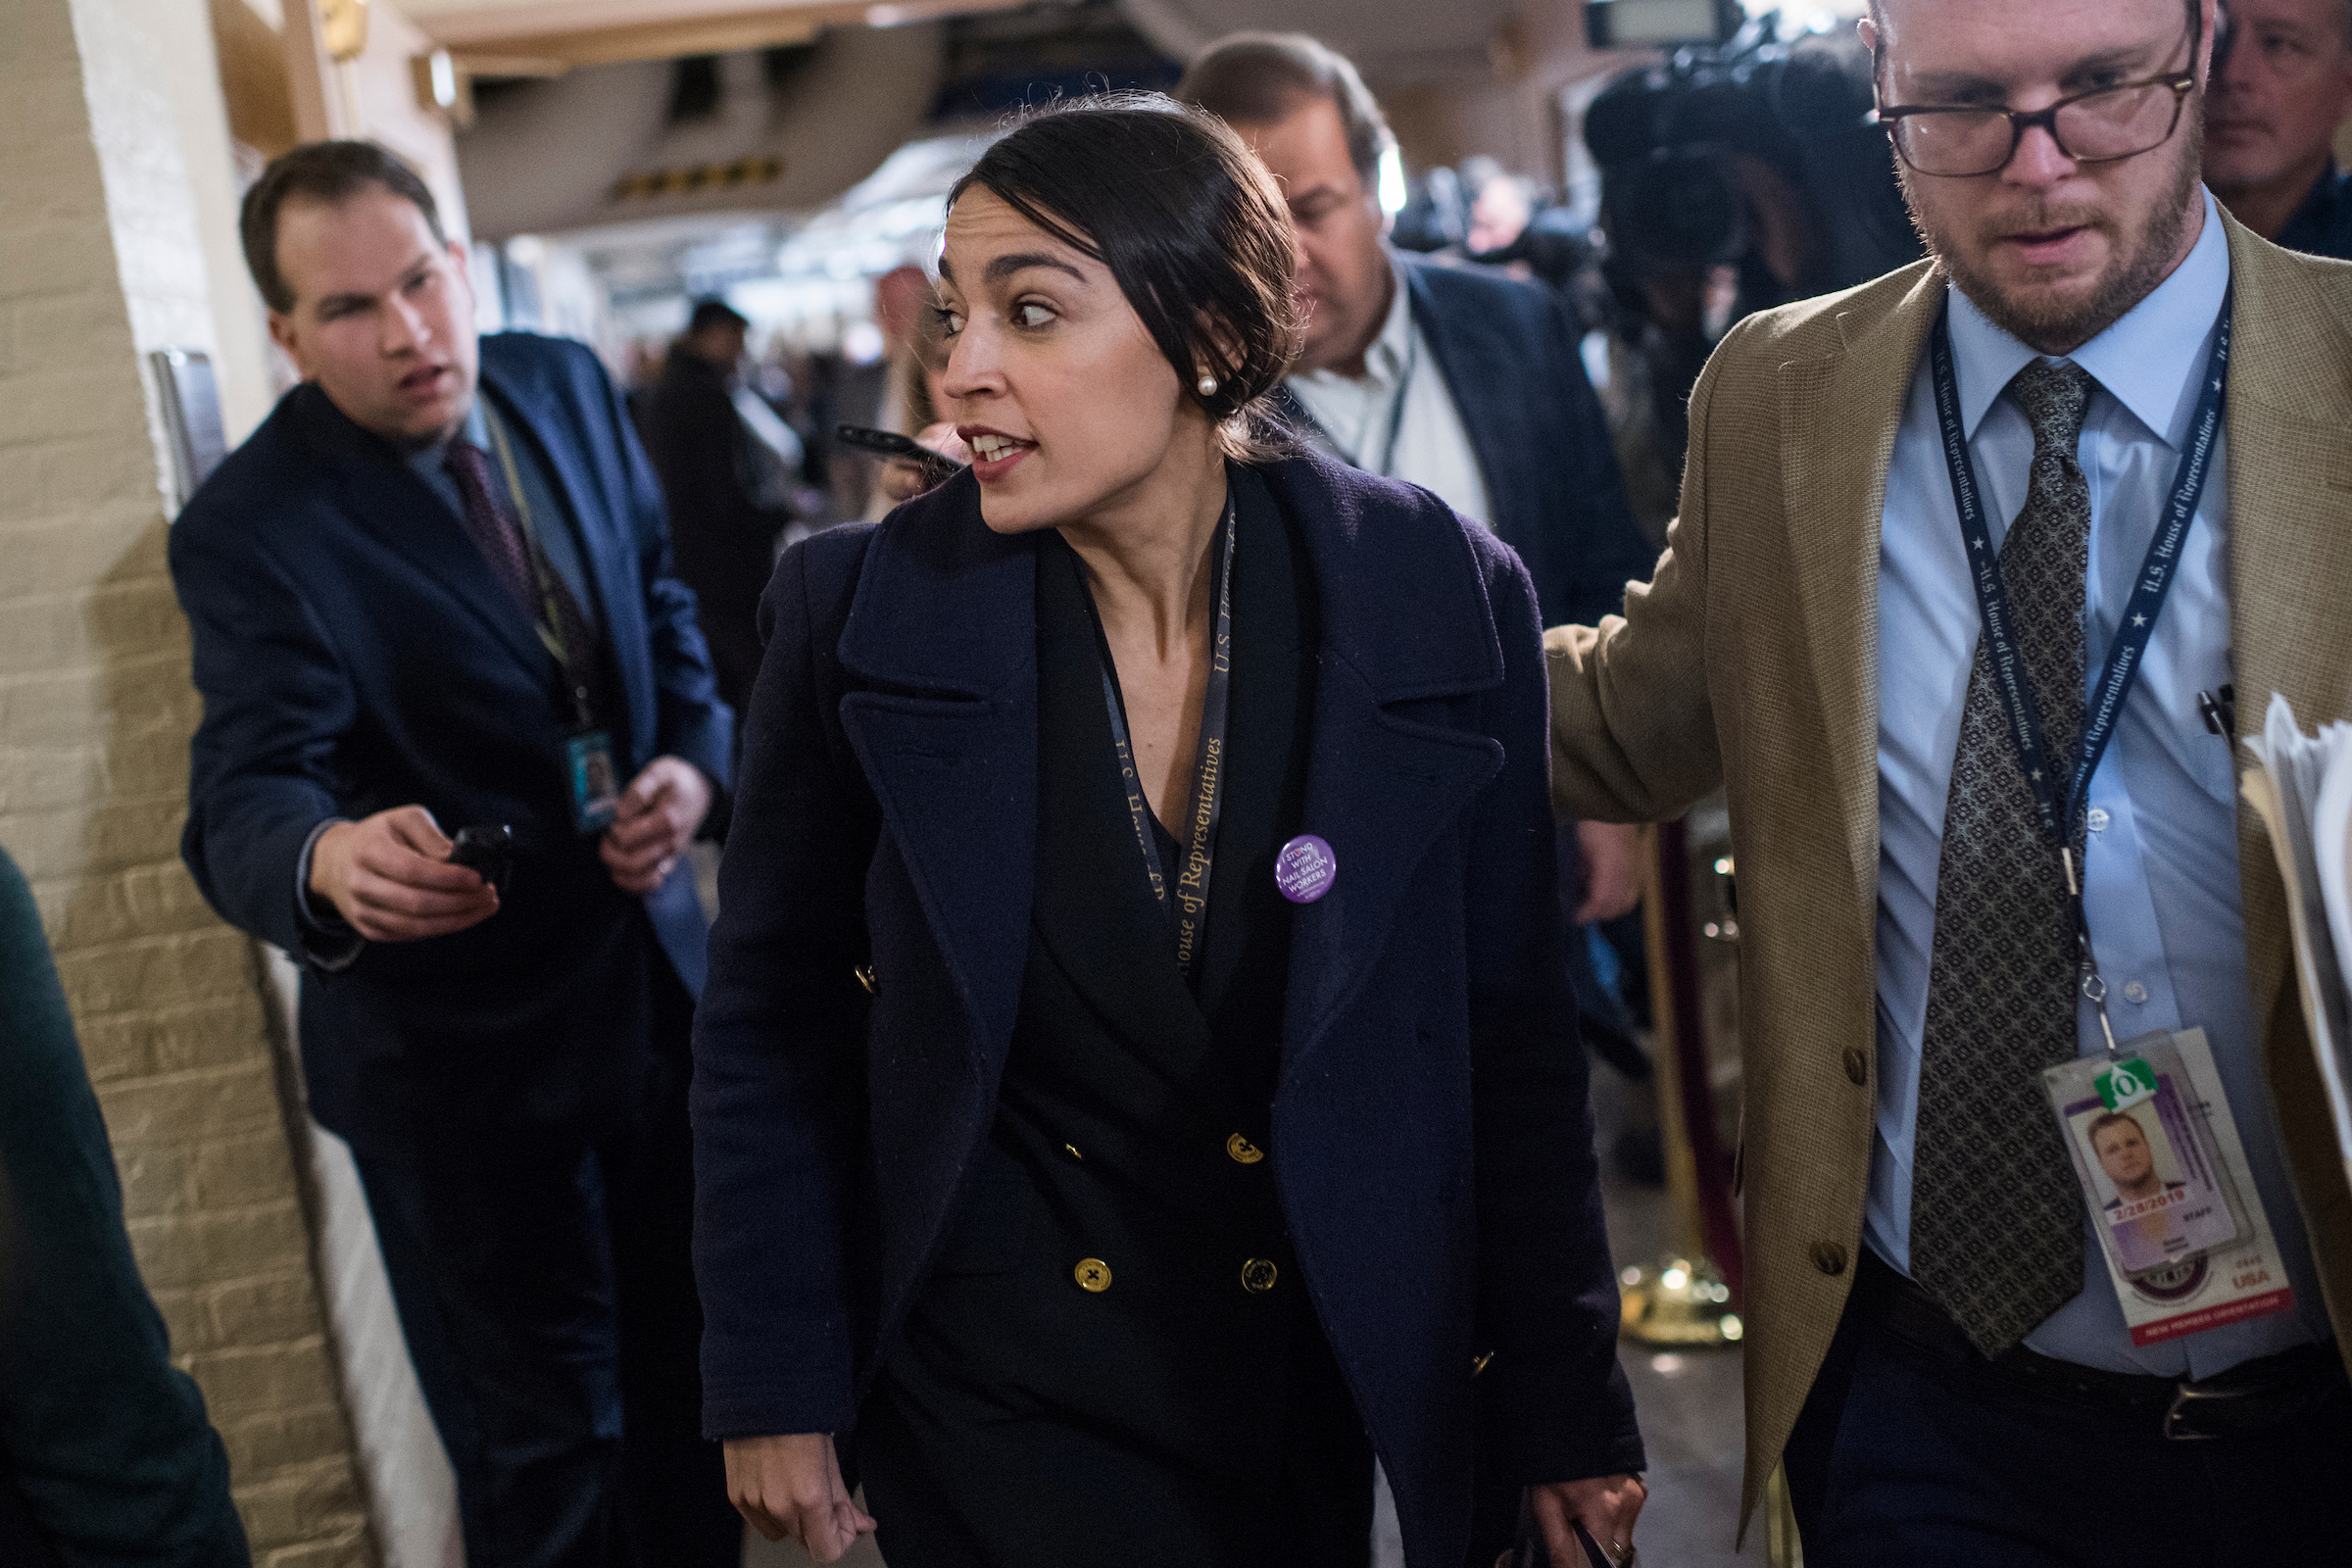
pixel 356 652
pixel 1432 1144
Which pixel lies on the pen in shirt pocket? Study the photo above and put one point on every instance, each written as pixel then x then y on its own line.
pixel 2219 709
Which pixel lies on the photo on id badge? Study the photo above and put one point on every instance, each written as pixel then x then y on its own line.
pixel 2151 1187
pixel 594 782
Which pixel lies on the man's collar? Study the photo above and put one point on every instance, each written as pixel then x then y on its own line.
pixel 427 459
pixel 2148 359
pixel 1386 358
pixel 1393 350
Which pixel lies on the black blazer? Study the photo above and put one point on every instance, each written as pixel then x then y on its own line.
pixel 1431 1142
pixel 1508 352
pixel 354 653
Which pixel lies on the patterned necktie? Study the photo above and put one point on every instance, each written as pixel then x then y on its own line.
pixel 499 537
pixel 491 526
pixel 1997 1217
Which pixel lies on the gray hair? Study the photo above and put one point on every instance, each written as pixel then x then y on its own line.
pixel 1259 78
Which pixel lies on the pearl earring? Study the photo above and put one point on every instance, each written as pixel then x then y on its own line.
pixel 1207 386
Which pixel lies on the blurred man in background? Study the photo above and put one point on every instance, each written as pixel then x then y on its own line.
pixel 433 591
pixel 2281 85
pixel 1463 382
pixel 1501 204
pixel 729 488
pixel 1460 381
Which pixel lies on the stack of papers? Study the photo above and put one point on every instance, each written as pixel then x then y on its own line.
pixel 2303 791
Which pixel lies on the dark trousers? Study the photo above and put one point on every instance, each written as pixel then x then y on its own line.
pixel 548 1299
pixel 1908 1461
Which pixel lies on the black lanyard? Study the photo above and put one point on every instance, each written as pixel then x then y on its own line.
pixel 1404 390
pixel 543 574
pixel 1188 900
pixel 2058 811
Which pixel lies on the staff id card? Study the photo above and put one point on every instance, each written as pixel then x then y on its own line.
pixel 594 781
pixel 2165 1176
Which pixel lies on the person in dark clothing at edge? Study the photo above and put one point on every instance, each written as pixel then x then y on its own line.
pixel 2281 86
pixel 106 1457
pixel 723 536
pixel 430 594
pixel 1458 379
pixel 1138 1081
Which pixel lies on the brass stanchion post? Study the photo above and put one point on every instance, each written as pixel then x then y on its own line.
pixel 1683 1300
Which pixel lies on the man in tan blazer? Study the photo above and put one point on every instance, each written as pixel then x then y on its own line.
pixel 1935 1343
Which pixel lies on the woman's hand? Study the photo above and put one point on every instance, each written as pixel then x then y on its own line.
pixel 905 478
pixel 791 1486
pixel 1606 1507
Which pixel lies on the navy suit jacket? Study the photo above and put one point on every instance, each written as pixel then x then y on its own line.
pixel 1508 352
pixel 1432 1144
pixel 354 653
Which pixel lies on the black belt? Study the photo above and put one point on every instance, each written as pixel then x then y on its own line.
pixel 2251 1398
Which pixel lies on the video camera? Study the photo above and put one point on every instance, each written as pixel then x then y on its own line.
pixel 1755 153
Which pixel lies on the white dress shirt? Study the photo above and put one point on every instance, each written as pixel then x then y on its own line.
pixel 1356 413
pixel 2160 868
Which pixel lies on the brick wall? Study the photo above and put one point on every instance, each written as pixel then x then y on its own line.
pixel 101 259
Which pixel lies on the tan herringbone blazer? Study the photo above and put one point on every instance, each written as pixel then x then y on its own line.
pixel 1751 660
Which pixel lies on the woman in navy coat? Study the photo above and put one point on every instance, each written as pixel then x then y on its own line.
pixel 1135 1085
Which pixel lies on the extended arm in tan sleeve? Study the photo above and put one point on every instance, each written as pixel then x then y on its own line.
pixel 1633 727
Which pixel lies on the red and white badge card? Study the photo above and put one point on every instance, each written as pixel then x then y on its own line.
pixel 2165 1177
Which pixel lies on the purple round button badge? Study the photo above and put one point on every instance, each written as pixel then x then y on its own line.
pixel 1304 868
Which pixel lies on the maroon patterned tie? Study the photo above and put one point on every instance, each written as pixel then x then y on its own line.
pixel 490 525
pixel 499 537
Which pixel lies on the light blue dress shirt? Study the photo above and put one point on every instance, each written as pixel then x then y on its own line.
pixel 2160 859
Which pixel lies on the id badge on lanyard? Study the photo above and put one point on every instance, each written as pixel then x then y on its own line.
pixel 2155 1149
pixel 595 780
pixel 2173 1202
pixel 591 774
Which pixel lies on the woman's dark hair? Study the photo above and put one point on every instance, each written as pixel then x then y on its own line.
pixel 1187 220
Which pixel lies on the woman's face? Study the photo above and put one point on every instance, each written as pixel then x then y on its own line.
pixel 1068 406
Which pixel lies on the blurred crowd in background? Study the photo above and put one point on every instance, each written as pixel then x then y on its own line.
pixel 1734 178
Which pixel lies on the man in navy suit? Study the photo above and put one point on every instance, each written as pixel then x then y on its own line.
pixel 433 591
pixel 1458 379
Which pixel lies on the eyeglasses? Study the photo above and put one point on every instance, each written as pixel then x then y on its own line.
pixel 2099 126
